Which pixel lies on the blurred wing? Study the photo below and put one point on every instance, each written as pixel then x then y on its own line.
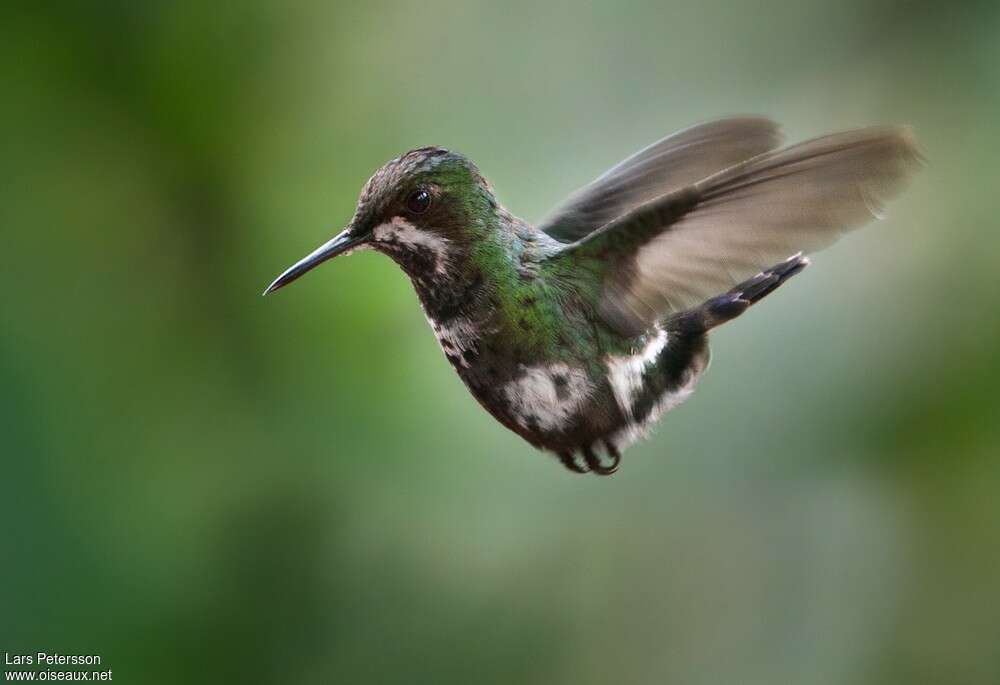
pixel 677 251
pixel 674 162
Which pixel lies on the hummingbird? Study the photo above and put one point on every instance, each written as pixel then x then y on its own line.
pixel 580 332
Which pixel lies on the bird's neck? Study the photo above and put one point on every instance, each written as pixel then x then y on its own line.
pixel 469 275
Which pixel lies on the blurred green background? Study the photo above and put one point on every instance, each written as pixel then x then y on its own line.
pixel 202 485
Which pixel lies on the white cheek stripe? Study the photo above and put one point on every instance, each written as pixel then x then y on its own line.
pixel 401 231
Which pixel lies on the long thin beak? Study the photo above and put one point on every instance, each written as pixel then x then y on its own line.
pixel 340 244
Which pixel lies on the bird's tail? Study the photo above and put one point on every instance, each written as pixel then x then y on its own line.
pixel 734 302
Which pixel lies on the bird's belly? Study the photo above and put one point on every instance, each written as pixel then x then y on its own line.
pixel 562 407
pixel 555 405
pixel 573 404
pixel 548 398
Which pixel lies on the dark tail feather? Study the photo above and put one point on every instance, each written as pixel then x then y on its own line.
pixel 731 304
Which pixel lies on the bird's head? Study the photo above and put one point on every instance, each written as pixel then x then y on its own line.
pixel 423 209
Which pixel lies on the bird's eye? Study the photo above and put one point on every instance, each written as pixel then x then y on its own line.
pixel 419 201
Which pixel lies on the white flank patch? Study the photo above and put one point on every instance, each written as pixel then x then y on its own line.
pixel 633 431
pixel 625 372
pixel 401 231
pixel 534 397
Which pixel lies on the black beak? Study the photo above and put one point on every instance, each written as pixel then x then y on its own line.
pixel 340 244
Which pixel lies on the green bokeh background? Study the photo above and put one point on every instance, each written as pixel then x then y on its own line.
pixel 202 485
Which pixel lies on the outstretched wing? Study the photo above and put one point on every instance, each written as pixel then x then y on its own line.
pixel 676 251
pixel 674 162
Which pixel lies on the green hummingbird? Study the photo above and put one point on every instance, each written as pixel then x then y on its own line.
pixel 579 333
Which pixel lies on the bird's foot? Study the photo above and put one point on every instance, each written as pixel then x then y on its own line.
pixel 591 462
